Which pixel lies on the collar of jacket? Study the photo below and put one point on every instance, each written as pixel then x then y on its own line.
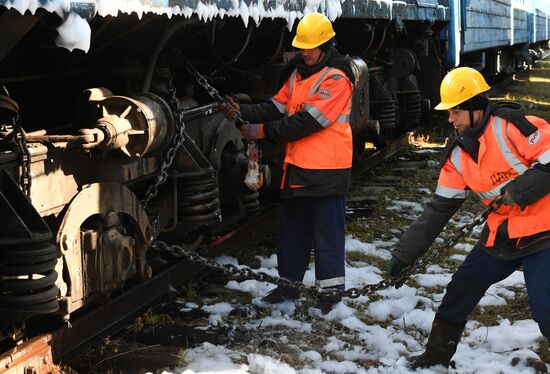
pixel 513 112
pixel 307 71
pixel 333 59
pixel 469 139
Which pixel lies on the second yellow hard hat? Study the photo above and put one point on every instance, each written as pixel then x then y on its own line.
pixel 460 85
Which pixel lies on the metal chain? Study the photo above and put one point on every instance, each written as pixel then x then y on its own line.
pixel 177 142
pixel 20 138
pixel 459 233
pixel 247 273
pixel 420 264
pixel 231 270
pixel 212 92
pixel 253 150
pixel 25 179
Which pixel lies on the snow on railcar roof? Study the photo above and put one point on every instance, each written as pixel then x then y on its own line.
pixel 75 31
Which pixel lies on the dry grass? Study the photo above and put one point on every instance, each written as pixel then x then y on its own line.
pixel 424 140
pixel 531 88
pixel 515 309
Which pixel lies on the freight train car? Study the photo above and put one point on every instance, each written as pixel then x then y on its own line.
pixel 110 139
pixel 498 36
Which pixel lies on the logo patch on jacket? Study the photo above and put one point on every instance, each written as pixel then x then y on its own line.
pixel 324 93
pixel 534 138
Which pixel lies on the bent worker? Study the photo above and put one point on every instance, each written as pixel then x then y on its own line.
pixel 497 151
pixel 310 113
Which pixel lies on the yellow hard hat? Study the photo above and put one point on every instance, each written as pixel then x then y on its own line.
pixel 312 31
pixel 460 85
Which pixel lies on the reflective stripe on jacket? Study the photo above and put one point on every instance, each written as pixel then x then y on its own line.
pixel 326 96
pixel 504 154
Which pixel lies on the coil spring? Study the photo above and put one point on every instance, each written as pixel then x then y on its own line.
pixel 412 104
pixel 198 201
pixel 27 277
pixel 251 203
pixel 386 114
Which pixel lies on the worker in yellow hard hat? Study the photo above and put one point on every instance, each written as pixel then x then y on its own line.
pixel 310 113
pixel 503 156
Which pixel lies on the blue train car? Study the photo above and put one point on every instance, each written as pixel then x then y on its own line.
pixel 497 35
pixel 541 28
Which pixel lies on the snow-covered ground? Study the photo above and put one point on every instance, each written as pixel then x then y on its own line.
pixel 365 335
pixel 406 314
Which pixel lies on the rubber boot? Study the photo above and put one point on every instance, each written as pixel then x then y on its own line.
pixel 281 294
pixel 327 302
pixel 441 346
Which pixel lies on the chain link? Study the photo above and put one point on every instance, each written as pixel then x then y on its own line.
pixel 253 150
pixel 177 142
pixel 25 160
pixel 421 263
pixel 231 270
pixel 212 92
pixel 246 273
pixel 20 138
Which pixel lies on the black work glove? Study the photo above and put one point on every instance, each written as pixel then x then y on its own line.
pixel 531 186
pixel 507 198
pixel 395 267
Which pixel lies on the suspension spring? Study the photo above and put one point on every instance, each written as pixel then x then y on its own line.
pixel 198 200
pixel 412 104
pixel 27 277
pixel 386 114
pixel 251 203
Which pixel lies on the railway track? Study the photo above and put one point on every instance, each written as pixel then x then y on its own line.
pixel 41 353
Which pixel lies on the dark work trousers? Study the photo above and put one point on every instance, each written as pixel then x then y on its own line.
pixel 480 270
pixel 318 223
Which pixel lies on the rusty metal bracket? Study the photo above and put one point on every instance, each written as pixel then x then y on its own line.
pixel 32 356
pixel 97 198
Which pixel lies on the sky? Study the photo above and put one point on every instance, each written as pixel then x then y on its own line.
pixel 382 330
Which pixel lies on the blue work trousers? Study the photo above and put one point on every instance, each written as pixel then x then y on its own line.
pixel 480 270
pixel 318 223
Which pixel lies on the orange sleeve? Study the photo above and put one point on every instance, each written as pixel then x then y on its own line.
pixel 451 183
pixel 281 98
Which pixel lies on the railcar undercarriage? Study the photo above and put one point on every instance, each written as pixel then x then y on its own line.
pixel 101 153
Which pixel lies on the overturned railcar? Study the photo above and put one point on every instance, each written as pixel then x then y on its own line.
pixel 108 140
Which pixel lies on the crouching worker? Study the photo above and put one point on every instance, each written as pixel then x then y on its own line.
pixel 497 151
pixel 310 113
